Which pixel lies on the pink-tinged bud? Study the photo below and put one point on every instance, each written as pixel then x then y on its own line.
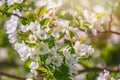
pixel 56 24
pixel 51 12
pixel 42 16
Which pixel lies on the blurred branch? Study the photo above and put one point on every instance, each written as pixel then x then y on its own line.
pixel 12 75
pixel 110 24
pixel 18 77
pixel 10 64
pixel 114 32
pixel 98 69
pixel 39 77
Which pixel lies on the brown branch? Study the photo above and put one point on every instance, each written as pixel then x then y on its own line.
pixel 108 31
pixel 9 64
pixel 110 24
pixel 12 75
pixel 4 12
pixel 98 69
pixel 114 32
pixel 39 77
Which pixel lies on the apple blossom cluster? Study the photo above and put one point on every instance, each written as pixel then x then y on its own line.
pixel 49 41
pixel 105 76
pixel 37 36
pixel 93 21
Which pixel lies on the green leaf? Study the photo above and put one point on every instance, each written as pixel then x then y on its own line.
pixel 88 61
pixel 64 15
pixel 24 35
pixel 62 73
pixel 20 40
pixel 74 22
pixel 44 21
pixel 3 10
pixel 71 49
pixel 99 15
pixel 71 35
pixel 27 63
pixel 60 50
pixel 13 7
pixel 39 11
pixel 24 21
pixel 64 69
pixel 43 69
pixel 29 16
pixel 32 45
pixel 90 76
pixel 50 40
pixel 61 36
pixel 67 45
pixel 4 7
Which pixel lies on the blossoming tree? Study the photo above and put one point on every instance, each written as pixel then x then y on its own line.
pixel 52 36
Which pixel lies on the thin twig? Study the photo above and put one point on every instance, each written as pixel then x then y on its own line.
pixel 4 12
pixel 111 19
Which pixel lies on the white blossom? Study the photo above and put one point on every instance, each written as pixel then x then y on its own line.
pixel 83 49
pixel 51 53
pixel 34 26
pixel 23 50
pixel 61 28
pixel 54 58
pixel 42 49
pixel 11 2
pixel 33 71
pixel 36 30
pixel 95 24
pixel 105 76
pixel 29 79
pixel 42 34
pixel 73 70
pixel 12 25
pixel 34 65
pixel 48 60
pixel 70 59
pixel 34 56
pixel 32 38
pixel 57 60
pixel 50 3
pixel 12 37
